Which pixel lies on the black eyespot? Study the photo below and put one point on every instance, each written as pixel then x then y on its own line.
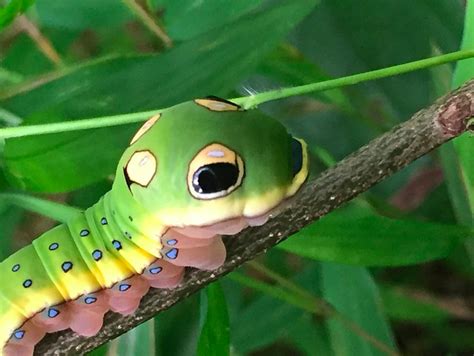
pixel 296 156
pixel 215 177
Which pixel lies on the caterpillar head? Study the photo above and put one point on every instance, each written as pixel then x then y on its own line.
pixel 207 161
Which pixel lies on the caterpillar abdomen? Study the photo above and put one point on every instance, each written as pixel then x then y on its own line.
pixel 72 275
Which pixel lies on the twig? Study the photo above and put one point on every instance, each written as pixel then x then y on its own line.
pixel 387 154
pixel 149 22
pixel 43 43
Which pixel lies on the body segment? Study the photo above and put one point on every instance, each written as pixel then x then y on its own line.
pixel 192 173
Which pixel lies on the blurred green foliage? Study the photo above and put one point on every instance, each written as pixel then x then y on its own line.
pixel 395 262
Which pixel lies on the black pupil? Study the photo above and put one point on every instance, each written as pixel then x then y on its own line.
pixel 296 156
pixel 215 177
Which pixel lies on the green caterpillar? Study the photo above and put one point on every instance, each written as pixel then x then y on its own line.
pixel 192 173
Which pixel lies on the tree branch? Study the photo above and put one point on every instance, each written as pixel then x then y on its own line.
pixel 429 128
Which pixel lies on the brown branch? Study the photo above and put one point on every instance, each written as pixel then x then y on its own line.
pixel 387 154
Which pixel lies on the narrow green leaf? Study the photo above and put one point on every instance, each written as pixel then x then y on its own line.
pixel 13 9
pixel 309 336
pixel 9 219
pixel 186 19
pixel 289 66
pixel 138 341
pixel 215 62
pixel 401 306
pixel 352 291
pixel 357 236
pixel 86 13
pixel 465 144
pixel 460 176
pixel 275 291
pixel 215 333
pixel 262 322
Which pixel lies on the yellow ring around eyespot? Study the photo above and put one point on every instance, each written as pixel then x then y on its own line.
pixel 215 153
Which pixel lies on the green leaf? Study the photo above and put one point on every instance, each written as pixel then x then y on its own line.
pixel 309 336
pixel 9 219
pixel 186 19
pixel 13 9
pixel 355 235
pixel 343 42
pixel 215 334
pixel 354 294
pixel 80 15
pixel 261 323
pixel 138 341
pixel 465 69
pixel 464 145
pixel 56 211
pixel 457 157
pixel 402 306
pixel 286 64
pixel 177 328
pixel 211 64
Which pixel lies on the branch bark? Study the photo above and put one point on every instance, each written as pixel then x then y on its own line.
pixel 427 129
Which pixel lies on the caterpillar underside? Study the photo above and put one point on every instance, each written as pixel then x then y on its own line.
pixel 49 303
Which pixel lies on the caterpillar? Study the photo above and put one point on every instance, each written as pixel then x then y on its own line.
pixel 191 174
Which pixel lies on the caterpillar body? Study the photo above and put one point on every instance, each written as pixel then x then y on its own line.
pixel 192 173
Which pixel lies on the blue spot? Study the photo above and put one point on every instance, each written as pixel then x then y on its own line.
pixel 53 313
pixel 172 242
pixel 124 287
pixel 84 232
pixel 53 246
pixel 156 270
pixel 103 221
pixel 117 245
pixel 172 254
pixel 97 255
pixel 27 283
pixel 19 334
pixel 126 233
pixel 90 300
pixel 16 268
pixel 66 266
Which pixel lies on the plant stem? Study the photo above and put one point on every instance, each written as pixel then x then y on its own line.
pixel 247 102
pixel 74 125
pixel 51 209
pixel 253 101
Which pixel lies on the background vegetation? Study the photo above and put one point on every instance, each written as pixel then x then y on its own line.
pixel 397 263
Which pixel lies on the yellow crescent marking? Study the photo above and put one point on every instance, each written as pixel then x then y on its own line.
pixel 215 153
pixel 216 105
pixel 145 127
pixel 141 168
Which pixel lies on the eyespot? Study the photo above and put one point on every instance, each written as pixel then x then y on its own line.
pixel 140 169
pixel 215 172
pixel 296 156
